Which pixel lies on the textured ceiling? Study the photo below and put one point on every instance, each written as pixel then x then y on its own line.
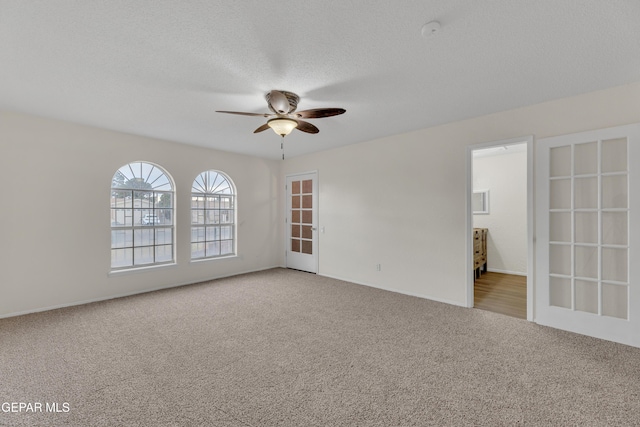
pixel 161 68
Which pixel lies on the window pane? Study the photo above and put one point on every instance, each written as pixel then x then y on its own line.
pixel 121 258
pixel 226 232
pixel 586 193
pixel 614 300
pixel 197 202
pixel 213 233
pixel 560 194
pixel 586 227
pixel 560 292
pixel 560 158
pixel 212 249
pixel 307 217
pixel 560 259
pixel 560 226
pixel 586 158
pixel 197 234
pixel 587 296
pixel 164 236
pixel 143 237
pixel 226 247
pixel 614 228
pixel 614 191
pixel 226 217
pixel 143 256
pixel 121 238
pixel 586 260
pixel 614 155
pixel 307 186
pixel 197 250
pixel 164 253
pixel 197 217
pixel 295 187
pixel 614 264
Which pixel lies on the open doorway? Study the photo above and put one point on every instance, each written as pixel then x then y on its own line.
pixel 500 230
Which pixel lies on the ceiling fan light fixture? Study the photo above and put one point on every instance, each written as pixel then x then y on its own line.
pixel 282 126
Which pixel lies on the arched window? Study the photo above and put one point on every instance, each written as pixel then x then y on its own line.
pixel 213 216
pixel 141 216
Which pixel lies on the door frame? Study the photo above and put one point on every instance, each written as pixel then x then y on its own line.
pixel 530 219
pixel 316 212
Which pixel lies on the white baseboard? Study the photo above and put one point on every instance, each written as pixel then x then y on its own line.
pixel 398 291
pixel 127 294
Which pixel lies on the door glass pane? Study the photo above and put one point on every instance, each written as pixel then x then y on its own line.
pixel 586 227
pixel 295 187
pixel 560 226
pixel 614 191
pixel 295 230
pixel 587 296
pixel 586 193
pixel 306 247
pixel 614 228
pixel 306 232
pixel 560 259
pixel 586 260
pixel 560 194
pixel 307 217
pixel 614 300
pixel 586 158
pixel 295 245
pixel 614 155
pixel 560 161
pixel 614 264
pixel 295 216
pixel 307 202
pixel 560 292
pixel 307 186
pixel 295 202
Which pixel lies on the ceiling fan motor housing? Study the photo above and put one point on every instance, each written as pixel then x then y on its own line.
pixel 291 97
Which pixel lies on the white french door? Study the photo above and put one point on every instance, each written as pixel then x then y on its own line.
pixel 301 222
pixel 588 233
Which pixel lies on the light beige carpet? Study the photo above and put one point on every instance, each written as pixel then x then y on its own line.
pixel 286 348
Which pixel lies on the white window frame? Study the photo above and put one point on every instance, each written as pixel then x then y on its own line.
pixel 130 228
pixel 213 216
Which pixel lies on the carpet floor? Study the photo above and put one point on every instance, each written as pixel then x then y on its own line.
pixel 287 348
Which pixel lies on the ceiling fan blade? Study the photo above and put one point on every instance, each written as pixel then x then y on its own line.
pixel 279 102
pixel 245 114
pixel 318 113
pixel 307 127
pixel 262 128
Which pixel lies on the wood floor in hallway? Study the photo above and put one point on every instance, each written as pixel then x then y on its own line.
pixel 501 293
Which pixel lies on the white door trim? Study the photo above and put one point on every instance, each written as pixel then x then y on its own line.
pixel 530 219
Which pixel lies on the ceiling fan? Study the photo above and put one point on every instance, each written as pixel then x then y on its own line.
pixel 284 117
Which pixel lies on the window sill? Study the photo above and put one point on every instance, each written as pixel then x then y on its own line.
pixel 136 270
pixel 195 261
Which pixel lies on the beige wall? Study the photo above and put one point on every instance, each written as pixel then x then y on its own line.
pixel 505 176
pixel 398 201
pixel 55 218
pixel 401 201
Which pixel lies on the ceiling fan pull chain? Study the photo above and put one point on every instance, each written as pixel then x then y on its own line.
pixel 282 147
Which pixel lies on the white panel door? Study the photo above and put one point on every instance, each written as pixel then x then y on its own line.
pixel 301 222
pixel 588 233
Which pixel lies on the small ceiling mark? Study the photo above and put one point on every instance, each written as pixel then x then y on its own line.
pixel 430 28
